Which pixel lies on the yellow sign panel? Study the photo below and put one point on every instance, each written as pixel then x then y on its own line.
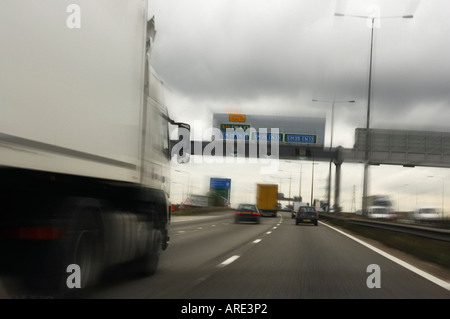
pixel 237 117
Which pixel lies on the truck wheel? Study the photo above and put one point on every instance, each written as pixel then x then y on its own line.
pixel 86 250
pixel 149 263
pixel 86 256
pixel 78 262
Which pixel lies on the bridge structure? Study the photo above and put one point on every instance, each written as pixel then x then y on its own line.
pixel 406 148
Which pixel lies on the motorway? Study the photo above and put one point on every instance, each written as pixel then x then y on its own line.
pixel 213 258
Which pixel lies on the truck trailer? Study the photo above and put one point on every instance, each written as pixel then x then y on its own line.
pixel 85 148
pixel 267 199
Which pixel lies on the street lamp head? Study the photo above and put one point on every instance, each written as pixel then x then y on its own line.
pixel 333 101
pixel 408 16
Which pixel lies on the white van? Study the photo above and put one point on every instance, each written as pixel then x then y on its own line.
pixel 425 213
pixel 381 212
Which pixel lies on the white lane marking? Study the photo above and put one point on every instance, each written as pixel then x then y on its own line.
pixel 229 261
pixel 235 257
pixel 402 263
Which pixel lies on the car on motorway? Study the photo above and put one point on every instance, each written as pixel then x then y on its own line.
pixel 307 214
pixel 425 214
pixel 296 207
pixel 289 209
pixel 247 213
pixel 381 212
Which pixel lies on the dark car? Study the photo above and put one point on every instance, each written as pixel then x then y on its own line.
pixel 247 213
pixel 307 214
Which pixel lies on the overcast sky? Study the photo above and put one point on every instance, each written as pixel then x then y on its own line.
pixel 272 57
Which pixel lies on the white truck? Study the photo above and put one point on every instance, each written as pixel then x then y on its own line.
pixel 85 148
pixel 380 206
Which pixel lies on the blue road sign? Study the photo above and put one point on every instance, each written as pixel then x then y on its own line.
pixel 300 138
pixel 220 183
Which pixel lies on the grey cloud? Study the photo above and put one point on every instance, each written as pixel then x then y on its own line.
pixel 242 53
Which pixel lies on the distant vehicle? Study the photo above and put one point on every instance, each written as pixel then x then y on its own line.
pixel 289 209
pixel 381 212
pixel 267 199
pixel 247 212
pixel 379 200
pixel 196 201
pixel 297 205
pixel 319 209
pixel 425 213
pixel 307 214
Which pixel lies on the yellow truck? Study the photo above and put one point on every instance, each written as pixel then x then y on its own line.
pixel 267 199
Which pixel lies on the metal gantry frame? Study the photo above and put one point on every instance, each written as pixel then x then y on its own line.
pixel 438 158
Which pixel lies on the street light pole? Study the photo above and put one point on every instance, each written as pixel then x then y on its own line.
pixel 300 181
pixel 443 195
pixel 189 181
pixel 300 184
pixel 333 102
pixel 312 183
pixel 290 183
pixel 366 157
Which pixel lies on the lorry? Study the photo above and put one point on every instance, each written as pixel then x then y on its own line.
pixel 379 200
pixel 267 199
pixel 85 147
pixel 196 201
pixel 380 206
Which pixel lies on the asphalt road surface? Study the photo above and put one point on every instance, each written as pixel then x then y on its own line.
pixel 213 258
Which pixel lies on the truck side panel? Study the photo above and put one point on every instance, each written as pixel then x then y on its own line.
pixel 72 85
pixel 84 146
